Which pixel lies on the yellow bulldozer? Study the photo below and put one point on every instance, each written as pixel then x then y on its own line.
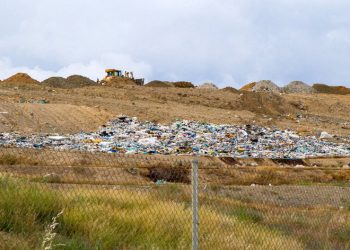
pixel 114 75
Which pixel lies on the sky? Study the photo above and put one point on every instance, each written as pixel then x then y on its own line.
pixel 227 42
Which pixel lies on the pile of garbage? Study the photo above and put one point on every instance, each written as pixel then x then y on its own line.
pixel 130 136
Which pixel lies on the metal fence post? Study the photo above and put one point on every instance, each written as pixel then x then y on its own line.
pixel 195 216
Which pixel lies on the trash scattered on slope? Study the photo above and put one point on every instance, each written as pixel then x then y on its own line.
pixel 130 136
pixel 325 135
pixel 41 101
pixel 56 138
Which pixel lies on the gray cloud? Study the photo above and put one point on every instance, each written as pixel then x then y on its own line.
pixel 227 42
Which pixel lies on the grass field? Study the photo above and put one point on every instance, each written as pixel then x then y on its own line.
pixel 159 217
pixel 111 169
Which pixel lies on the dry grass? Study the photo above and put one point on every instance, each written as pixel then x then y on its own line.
pixel 124 219
pixel 160 218
pixel 15 159
pixel 101 168
pixel 302 223
pixel 265 175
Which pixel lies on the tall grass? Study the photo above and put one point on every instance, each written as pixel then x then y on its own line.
pixel 157 218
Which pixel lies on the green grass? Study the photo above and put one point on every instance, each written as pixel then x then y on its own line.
pixel 157 218
pixel 19 201
pixel 246 214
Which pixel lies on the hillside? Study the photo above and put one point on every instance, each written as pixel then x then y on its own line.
pixel 302 112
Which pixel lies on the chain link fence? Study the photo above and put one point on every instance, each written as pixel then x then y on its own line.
pixel 81 200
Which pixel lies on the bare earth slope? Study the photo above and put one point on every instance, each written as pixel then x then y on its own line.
pixel 50 118
pixel 70 110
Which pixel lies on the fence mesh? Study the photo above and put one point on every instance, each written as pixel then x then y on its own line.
pixel 81 200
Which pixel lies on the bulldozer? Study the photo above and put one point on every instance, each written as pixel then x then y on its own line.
pixel 114 75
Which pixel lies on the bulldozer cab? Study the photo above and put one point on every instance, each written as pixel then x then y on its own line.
pixel 114 72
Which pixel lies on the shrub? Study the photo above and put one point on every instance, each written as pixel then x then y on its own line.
pixel 9 159
pixel 183 85
pixel 180 175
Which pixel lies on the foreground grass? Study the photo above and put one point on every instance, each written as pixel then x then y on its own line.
pixel 156 218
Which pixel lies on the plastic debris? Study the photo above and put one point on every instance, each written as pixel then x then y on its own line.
pixel 160 182
pixel 56 137
pixel 325 135
pixel 127 135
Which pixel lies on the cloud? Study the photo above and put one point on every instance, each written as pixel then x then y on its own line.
pixel 225 42
pixel 8 69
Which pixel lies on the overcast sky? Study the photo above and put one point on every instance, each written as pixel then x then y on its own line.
pixel 228 42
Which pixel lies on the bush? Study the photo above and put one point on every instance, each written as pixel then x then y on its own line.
pixel 9 159
pixel 183 85
pixel 180 175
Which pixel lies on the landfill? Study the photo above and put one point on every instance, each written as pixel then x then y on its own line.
pixel 127 135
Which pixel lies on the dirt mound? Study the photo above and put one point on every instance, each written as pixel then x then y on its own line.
pixel 266 86
pixel 248 87
pixel 298 87
pixel 337 90
pixel 264 103
pixel 230 89
pixel 21 78
pixel 183 84
pixel 55 82
pixel 159 84
pixel 74 81
pixel 262 86
pixel 208 85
